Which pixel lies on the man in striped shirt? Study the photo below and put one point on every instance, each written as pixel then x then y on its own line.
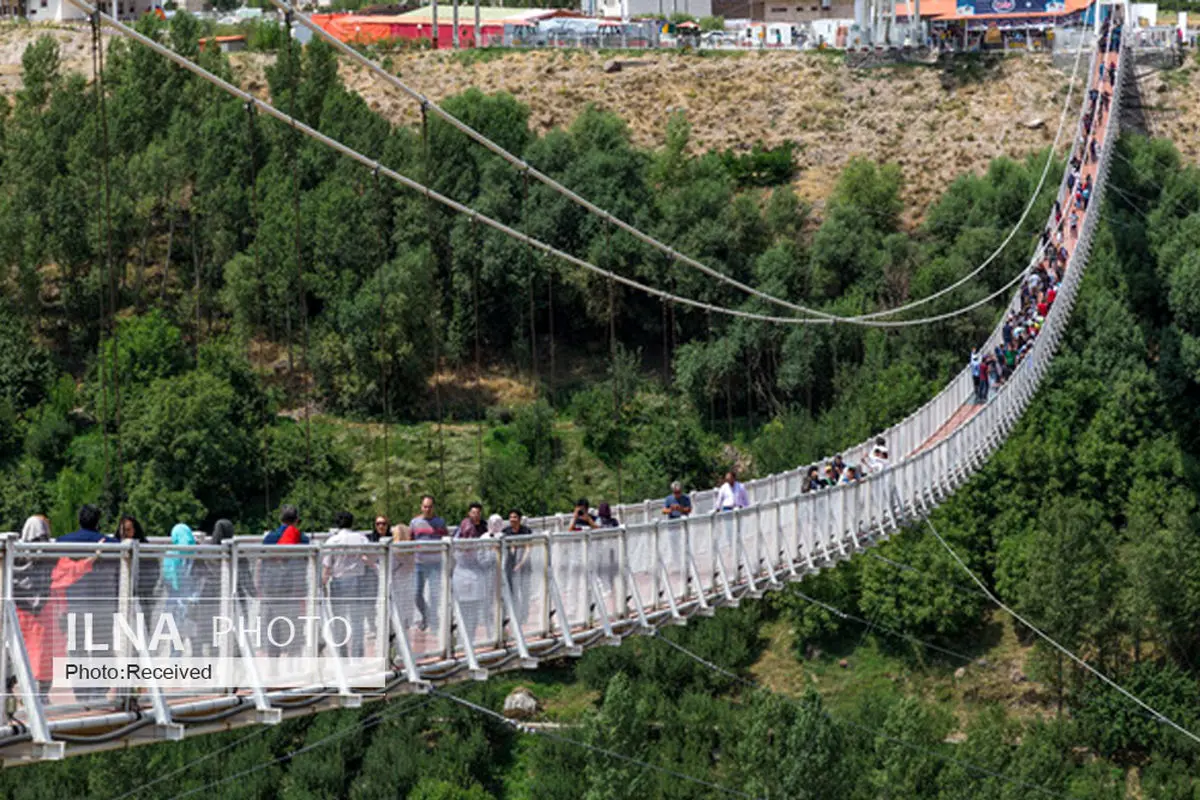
pixel 428 527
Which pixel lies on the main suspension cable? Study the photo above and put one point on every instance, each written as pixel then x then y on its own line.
pixel 471 213
pixel 632 230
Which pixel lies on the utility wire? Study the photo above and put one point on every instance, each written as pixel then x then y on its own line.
pixel 257 731
pixel 474 215
pixel 909 745
pixel 975 591
pixel 910 568
pixel 645 238
pixel 890 631
pixel 367 722
pixel 1047 638
pixel 1128 194
pixel 593 748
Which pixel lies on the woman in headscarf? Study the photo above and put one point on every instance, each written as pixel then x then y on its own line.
pixel 182 592
pixel 148 568
pixel 38 607
pixel 495 526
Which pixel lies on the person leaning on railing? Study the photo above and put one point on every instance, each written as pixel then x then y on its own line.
pixel 812 480
pixel 582 518
pixel 677 504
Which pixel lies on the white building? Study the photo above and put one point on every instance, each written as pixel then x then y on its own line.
pixel 63 10
pixel 631 9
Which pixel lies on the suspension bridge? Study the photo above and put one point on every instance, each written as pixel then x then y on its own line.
pixel 502 604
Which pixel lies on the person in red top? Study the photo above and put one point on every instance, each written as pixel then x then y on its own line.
pixel 39 593
pixel 290 535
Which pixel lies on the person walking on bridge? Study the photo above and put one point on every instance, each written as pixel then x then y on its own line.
pixel 518 569
pixel 471 576
pixel 976 361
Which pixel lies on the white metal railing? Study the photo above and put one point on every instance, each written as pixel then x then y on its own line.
pixel 434 611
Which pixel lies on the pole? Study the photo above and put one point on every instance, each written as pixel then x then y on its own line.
pixel 454 16
pixel 477 34
pixel 434 29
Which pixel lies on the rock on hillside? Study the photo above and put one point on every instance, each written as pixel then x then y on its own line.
pixel 904 114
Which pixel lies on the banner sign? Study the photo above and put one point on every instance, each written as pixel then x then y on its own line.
pixel 1014 7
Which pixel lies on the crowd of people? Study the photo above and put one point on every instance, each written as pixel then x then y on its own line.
pixel 836 471
pixel 989 370
pixel 47 588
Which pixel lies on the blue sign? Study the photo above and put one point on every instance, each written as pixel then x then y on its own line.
pixel 1017 8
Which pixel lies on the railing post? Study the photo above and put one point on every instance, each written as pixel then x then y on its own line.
pixel 6 593
pixel 547 572
pixel 498 594
pixel 383 619
pixel 446 620
pixel 313 570
pixel 126 604
pixel 228 574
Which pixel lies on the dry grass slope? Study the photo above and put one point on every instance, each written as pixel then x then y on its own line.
pixel 905 115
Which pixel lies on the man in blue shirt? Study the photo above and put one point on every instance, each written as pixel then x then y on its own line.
pixel 89 524
pixel 283 586
pixel 94 593
pixel 677 503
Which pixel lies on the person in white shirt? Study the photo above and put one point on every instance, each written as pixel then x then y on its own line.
pixel 732 494
pixel 878 460
pixel 343 574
